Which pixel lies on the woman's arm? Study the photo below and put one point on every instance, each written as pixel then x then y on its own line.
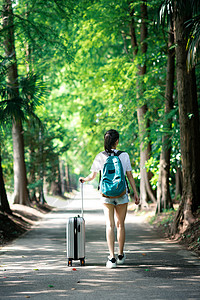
pixel 89 177
pixel 132 183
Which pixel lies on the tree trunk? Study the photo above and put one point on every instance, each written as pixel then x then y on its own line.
pixel 67 177
pixel 20 180
pixel 179 182
pixel 41 168
pixel 4 204
pixel 189 129
pixel 32 172
pixel 62 176
pixel 145 187
pixel 144 156
pixel 164 200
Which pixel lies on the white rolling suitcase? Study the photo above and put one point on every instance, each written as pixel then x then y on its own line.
pixel 75 237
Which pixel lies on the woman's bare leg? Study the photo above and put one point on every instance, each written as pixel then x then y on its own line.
pixel 121 211
pixel 110 227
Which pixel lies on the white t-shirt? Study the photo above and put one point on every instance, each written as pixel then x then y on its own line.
pixel 100 160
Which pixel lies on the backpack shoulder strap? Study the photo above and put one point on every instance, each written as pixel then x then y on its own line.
pixel 115 153
pixel 118 153
pixel 106 154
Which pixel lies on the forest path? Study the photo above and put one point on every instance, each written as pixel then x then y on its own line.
pixel 35 265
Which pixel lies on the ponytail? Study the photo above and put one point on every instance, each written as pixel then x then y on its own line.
pixel 110 138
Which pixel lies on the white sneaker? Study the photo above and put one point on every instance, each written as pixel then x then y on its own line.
pixel 111 263
pixel 121 259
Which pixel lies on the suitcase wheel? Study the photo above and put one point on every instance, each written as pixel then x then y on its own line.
pixel 82 262
pixel 69 262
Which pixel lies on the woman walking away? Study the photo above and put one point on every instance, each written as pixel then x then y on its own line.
pixel 114 203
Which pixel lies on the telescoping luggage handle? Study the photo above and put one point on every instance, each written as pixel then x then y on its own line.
pixel 81 197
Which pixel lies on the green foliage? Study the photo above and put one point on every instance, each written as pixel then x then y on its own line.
pixel 41 27
pixel 31 94
pixel 78 75
pixel 103 84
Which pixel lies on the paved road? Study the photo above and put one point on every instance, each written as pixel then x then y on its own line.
pixel 35 265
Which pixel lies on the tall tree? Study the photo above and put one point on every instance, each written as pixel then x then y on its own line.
pixel 20 180
pixel 189 121
pixel 164 200
pixel 145 188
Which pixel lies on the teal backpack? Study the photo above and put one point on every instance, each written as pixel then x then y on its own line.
pixel 113 181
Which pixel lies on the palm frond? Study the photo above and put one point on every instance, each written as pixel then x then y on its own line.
pixel 32 93
pixel 192 26
pixel 195 6
pixel 193 44
pixel 165 13
pixel 33 90
pixel 10 109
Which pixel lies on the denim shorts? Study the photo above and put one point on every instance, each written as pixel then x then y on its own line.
pixel 115 201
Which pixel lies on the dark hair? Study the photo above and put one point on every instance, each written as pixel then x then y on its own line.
pixel 110 138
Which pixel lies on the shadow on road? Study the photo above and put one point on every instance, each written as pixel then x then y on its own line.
pixel 35 266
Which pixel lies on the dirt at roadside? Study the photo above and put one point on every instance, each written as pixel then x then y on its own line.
pixel 189 239
pixel 21 220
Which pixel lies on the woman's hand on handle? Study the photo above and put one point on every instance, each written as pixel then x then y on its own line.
pixel 82 179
